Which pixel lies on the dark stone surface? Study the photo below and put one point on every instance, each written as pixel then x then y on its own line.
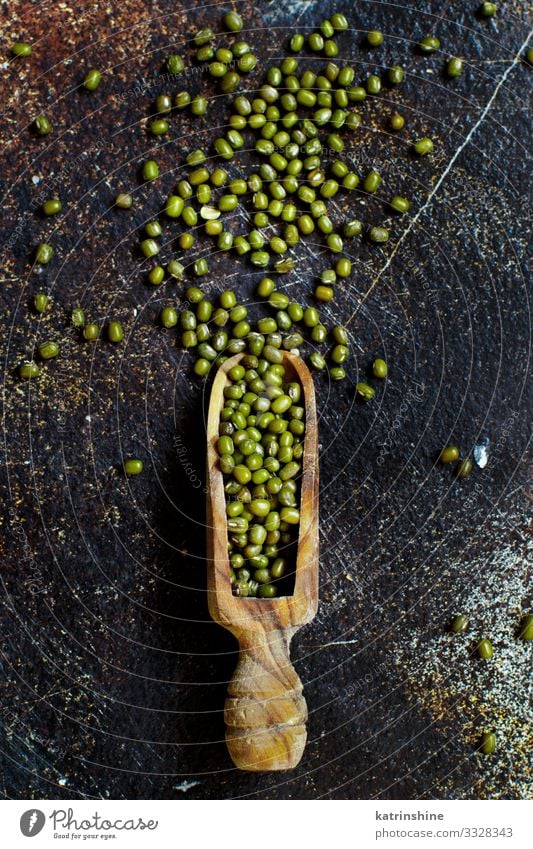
pixel 113 676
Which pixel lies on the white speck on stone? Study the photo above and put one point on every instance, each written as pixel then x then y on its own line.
pixel 4 65
pixel 186 785
pixel 88 418
pixel 273 11
pixel 135 312
pixel 481 453
pixel 36 180
pixel 63 781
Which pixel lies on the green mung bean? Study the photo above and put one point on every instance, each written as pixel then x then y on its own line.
pixel 175 64
pixel 396 121
pixel 42 125
pixel 423 146
pixel 133 466
pixel 28 370
pixel 40 302
pixel 485 649
pixel 373 84
pixel 365 391
pixel 400 204
pixel 487 743
pixel 159 126
pixel 450 454
pixel 91 332
pixel 21 48
pixel 77 317
pixel 44 253
pixel 233 22
pixel 395 74
pixel 52 206
pixel 168 317
pixel 459 624
pixel 464 468
pixel 124 200
pixel 115 333
pixel 48 350
pixel 378 235
pixel 526 628
pixel 374 38
pixel 379 368
pixel 428 44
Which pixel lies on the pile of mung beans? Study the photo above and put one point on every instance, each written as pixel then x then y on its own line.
pixel 294 125
pixel 261 447
pixel 293 122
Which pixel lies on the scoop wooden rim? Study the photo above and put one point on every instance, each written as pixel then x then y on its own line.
pixel 286 611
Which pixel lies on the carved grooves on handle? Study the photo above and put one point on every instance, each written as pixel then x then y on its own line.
pixel 265 711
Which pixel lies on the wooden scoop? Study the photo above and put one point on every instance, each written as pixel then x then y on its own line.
pixel 265 711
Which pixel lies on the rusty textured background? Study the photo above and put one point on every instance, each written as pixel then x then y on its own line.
pixel 113 676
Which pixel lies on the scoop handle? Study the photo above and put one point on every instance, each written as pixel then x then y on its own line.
pixel 265 711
